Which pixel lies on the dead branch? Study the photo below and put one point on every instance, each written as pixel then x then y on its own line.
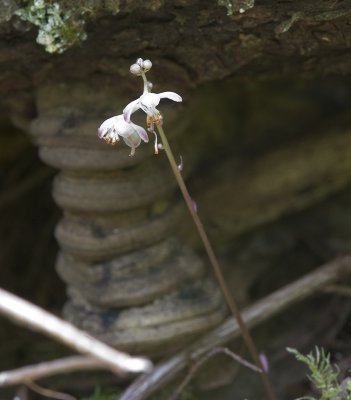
pixel 341 290
pixel 52 394
pixel 49 368
pixel 36 318
pixel 266 308
pixel 202 360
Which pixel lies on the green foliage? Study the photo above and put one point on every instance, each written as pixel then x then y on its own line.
pixel 101 394
pixel 165 394
pixel 58 29
pixel 323 375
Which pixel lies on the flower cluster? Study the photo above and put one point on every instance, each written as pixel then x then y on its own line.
pixel 121 125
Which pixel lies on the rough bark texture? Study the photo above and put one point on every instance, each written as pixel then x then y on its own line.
pixel 193 41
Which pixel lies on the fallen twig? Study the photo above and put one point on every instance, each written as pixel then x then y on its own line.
pixel 266 308
pixel 342 290
pixel 203 359
pixel 36 318
pixel 49 368
pixel 52 394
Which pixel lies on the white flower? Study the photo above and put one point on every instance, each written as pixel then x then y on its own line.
pixel 148 103
pixel 132 134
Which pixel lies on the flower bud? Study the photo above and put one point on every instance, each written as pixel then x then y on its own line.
pixel 147 64
pixel 140 61
pixel 135 69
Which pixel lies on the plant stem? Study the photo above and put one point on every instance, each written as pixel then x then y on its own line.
pixel 215 350
pixel 215 264
pixel 275 303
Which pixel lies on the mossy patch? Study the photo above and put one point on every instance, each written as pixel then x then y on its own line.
pixel 58 29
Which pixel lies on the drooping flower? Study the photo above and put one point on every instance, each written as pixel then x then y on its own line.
pixel 148 103
pixel 115 127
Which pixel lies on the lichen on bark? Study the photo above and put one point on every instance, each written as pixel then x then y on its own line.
pixel 58 29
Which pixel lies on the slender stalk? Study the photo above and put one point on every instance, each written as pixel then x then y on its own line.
pixel 145 385
pixel 51 394
pixel 205 358
pixel 215 264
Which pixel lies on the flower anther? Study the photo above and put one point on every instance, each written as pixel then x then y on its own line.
pixel 115 127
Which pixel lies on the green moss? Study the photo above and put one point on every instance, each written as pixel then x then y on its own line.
pixel 7 9
pixel 58 29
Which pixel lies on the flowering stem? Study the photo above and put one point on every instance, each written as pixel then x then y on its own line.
pixel 215 264
pixel 146 89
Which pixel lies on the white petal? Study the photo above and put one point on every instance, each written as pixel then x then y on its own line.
pixel 150 100
pixel 141 132
pixel 130 108
pixel 170 95
pixel 132 141
pixel 106 126
pixel 124 128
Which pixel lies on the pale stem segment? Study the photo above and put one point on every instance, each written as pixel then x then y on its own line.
pixel 214 262
pixel 42 321
pixel 146 88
